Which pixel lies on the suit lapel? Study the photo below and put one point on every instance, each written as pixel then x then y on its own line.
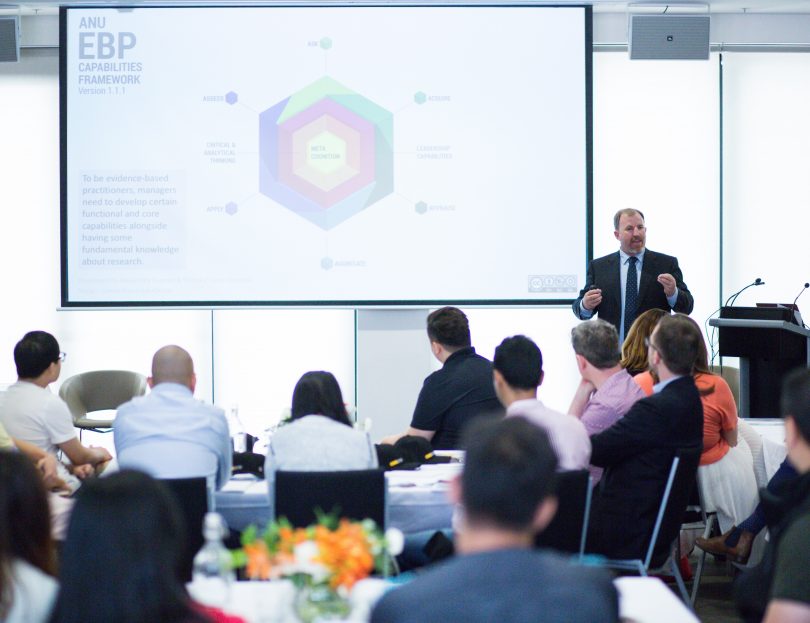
pixel 649 275
pixel 614 284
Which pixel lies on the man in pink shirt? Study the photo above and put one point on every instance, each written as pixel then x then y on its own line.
pixel 518 372
pixel 606 391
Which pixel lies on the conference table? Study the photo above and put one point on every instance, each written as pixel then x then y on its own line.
pixel 641 600
pixel 416 500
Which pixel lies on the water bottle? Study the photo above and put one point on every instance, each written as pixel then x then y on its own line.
pixel 212 572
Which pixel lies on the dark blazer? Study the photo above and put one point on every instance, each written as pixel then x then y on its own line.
pixel 604 273
pixel 637 452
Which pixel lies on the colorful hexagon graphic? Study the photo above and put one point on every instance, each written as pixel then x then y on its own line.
pixel 326 153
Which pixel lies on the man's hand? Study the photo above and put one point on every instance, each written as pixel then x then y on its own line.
pixel 592 299
pixel 585 390
pixel 83 471
pixel 101 454
pixel 669 283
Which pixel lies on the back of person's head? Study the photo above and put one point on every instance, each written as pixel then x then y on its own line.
pixel 509 469
pixel 598 342
pixel 520 362
pixel 172 364
pixel 34 353
pixel 25 524
pixel 677 339
pixel 634 350
pixel 449 327
pixel 124 544
pixel 318 393
pixel 625 212
pixel 796 400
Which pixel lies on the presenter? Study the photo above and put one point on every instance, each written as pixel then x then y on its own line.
pixel 622 285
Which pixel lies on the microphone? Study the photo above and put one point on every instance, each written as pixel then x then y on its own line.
pixel 730 300
pixel 795 309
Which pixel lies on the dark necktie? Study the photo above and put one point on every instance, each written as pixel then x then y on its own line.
pixel 630 294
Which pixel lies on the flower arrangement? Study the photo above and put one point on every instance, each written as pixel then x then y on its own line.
pixel 332 552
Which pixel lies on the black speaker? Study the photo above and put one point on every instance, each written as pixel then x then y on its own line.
pixel 9 39
pixel 669 37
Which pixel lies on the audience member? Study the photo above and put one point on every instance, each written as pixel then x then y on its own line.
pixel 606 391
pixel 27 555
pixel 169 434
pixel 505 489
pixel 125 540
pixel 637 451
pixel 518 372
pixel 779 587
pixel 726 464
pixel 460 391
pixel 320 436
pixel 634 349
pixel 32 414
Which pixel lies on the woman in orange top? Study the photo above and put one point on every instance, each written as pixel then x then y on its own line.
pixel 726 473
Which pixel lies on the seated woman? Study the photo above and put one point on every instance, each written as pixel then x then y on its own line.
pixel 726 471
pixel 27 555
pixel 122 557
pixel 634 348
pixel 319 436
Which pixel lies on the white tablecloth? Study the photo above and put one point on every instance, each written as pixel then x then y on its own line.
pixel 641 600
pixel 417 500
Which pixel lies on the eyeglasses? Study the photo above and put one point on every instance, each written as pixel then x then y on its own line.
pixel 649 344
pixel 61 357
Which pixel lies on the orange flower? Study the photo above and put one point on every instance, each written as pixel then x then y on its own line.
pixel 258 561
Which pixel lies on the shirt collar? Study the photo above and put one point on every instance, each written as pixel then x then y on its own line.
pixel 640 256
pixel 461 352
pixel 662 384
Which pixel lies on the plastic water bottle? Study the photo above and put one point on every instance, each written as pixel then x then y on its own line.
pixel 212 571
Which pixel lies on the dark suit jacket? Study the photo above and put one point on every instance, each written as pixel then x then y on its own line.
pixel 637 453
pixel 603 273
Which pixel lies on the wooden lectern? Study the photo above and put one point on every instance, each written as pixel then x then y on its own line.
pixel 769 344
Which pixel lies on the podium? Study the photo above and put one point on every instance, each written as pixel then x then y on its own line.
pixel 769 344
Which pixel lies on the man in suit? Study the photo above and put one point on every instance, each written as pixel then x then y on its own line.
pixel 506 490
pixel 637 451
pixel 658 280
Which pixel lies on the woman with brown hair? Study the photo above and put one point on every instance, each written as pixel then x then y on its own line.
pixel 27 555
pixel 634 349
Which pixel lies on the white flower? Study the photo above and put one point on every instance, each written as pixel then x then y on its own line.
pixel 395 540
pixel 305 554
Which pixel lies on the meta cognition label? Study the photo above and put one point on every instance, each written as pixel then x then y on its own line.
pixel 131 219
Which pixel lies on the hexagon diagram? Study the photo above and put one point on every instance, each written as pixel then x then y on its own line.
pixel 326 153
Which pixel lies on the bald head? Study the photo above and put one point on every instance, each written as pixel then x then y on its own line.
pixel 172 364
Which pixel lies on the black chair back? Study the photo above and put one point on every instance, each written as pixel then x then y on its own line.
pixel 566 532
pixel 353 494
pixel 191 495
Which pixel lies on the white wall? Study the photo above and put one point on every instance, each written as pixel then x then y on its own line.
pixel 656 148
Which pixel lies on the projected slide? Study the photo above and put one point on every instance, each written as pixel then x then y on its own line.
pixel 314 155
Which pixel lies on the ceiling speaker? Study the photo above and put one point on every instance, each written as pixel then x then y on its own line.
pixel 669 37
pixel 9 39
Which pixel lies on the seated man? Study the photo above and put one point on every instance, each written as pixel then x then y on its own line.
pixel 31 413
pixel 460 391
pixel 637 451
pixel 606 391
pixel 168 433
pixel 518 372
pixel 506 493
pixel 779 587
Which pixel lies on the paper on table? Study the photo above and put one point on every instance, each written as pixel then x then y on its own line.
pixel 426 476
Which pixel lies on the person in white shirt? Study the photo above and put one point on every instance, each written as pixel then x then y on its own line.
pixel 518 372
pixel 320 436
pixel 169 434
pixel 31 413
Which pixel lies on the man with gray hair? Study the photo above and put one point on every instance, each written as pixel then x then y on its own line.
pixel 168 433
pixel 606 391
